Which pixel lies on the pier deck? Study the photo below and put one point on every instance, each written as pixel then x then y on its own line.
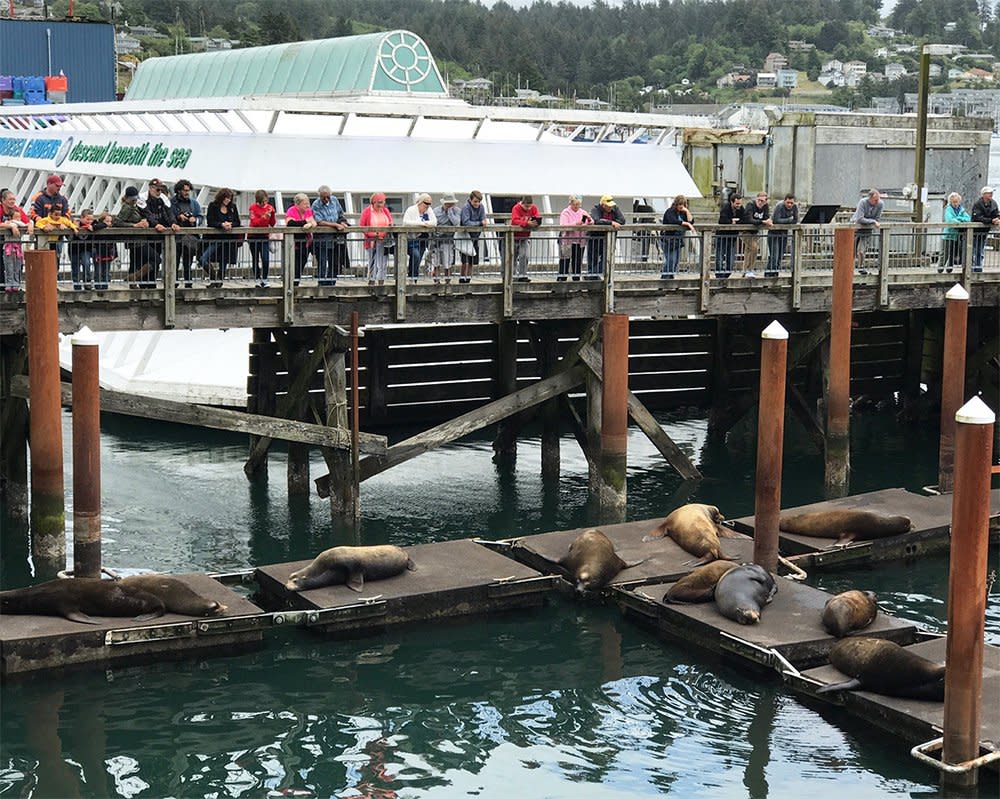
pixel 931 517
pixel 36 643
pixel 450 578
pixel 662 559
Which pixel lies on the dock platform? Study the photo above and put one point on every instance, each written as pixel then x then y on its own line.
pixel 916 720
pixel 450 578
pixel 790 626
pixel 662 559
pixel 36 643
pixel 931 517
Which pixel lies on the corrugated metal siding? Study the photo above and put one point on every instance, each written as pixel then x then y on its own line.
pixel 84 51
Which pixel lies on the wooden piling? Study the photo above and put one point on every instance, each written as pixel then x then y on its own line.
pixel 14 427
pixel 967 588
pixel 549 357
pixel 770 438
pixel 611 489
pixel 505 442
pixel 48 510
pixel 956 315
pixel 838 445
pixel 344 502
pixel 86 456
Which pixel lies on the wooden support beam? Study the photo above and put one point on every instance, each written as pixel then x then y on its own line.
pixel 806 415
pixel 578 428
pixel 674 455
pixel 13 428
pixel 218 419
pixel 467 423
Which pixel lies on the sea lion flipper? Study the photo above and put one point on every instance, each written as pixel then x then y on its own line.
pixel 626 565
pixel 845 538
pixel 356 580
pixel 80 617
pixel 726 532
pixel 153 614
pixel 410 565
pixel 660 531
pixel 848 685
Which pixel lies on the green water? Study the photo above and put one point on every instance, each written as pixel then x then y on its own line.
pixel 567 701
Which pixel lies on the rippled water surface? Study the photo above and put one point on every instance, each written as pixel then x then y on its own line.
pixel 567 701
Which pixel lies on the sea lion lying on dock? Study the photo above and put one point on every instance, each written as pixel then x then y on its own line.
pixel 885 667
pixel 742 593
pixel 592 561
pixel 699 585
pixel 350 566
pixel 143 598
pixel 849 611
pixel 845 525
pixel 695 528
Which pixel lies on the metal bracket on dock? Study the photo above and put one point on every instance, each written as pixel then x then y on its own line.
pixel 827 557
pixel 639 602
pixel 514 586
pixel 746 649
pixel 142 635
pixel 233 578
pixel 368 608
pixel 922 753
pixel 233 624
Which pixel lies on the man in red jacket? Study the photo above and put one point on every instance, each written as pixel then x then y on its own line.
pixel 523 215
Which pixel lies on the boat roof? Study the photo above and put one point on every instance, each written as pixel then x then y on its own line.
pixel 393 62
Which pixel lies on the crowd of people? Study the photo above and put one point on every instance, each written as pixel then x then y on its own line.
pixel 437 235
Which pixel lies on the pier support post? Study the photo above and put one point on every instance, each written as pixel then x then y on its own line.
pixel 505 443
pixel 344 496
pixel 261 397
pixel 608 485
pixel 86 456
pixel 838 401
pixel 48 509
pixel 13 429
pixel 956 316
pixel 967 588
pixel 298 454
pixel 549 357
pixel 770 438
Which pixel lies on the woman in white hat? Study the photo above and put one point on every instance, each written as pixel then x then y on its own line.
pixel 442 253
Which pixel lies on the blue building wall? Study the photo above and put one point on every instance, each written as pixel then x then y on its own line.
pixel 84 51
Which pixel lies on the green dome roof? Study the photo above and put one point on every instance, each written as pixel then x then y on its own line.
pixel 392 62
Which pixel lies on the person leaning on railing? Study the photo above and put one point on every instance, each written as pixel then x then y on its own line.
pixel 13 224
pixel 467 243
pixel 187 214
pixel 866 217
pixel 376 215
pixel 680 220
pixel 221 251
pixel 953 238
pixel 785 213
pixel 300 215
pixel 986 213
pixel 572 242
pixel 262 214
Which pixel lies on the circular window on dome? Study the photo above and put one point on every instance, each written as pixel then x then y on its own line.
pixel 404 58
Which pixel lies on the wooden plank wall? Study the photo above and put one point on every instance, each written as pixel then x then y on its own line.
pixel 429 374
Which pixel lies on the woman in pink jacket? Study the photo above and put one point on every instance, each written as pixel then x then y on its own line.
pixel 376 215
pixel 572 242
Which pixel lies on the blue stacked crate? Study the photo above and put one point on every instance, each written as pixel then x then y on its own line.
pixel 34 90
pixel 16 91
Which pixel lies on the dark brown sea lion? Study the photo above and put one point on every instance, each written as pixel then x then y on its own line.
pixel 592 561
pixel 350 566
pixel 884 667
pixel 849 611
pixel 742 593
pixel 175 595
pixel 845 525
pixel 80 598
pixel 695 528
pixel 698 585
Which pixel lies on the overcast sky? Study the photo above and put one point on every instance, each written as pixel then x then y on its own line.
pixel 887 5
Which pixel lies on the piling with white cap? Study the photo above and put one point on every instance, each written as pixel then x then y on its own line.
pixel 956 315
pixel 770 436
pixel 86 455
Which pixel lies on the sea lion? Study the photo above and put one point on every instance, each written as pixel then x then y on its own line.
pixel 79 598
pixel 698 585
pixel 695 528
pixel 592 561
pixel 741 593
pixel 845 525
pixel 884 667
pixel 175 595
pixel 350 566
pixel 848 611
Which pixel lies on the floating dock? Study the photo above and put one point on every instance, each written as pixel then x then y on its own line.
pixel 37 643
pixel 931 533
pixel 450 578
pixel 662 560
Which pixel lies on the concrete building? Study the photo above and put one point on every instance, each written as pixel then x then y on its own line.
pixel 894 71
pixel 774 62
pixel 787 79
pixel 767 80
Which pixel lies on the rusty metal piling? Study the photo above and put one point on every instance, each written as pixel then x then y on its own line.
pixel 610 486
pixel 838 405
pixel 956 317
pixel 86 456
pixel 770 436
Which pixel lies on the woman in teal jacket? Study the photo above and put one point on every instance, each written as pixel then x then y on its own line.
pixel 953 238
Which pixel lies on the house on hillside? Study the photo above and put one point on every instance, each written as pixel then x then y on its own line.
pixel 774 62
pixel 859 68
pixel 881 32
pixel 833 65
pixel 767 80
pixel 894 71
pixel 736 78
pixel 787 78
pixel 800 46
pixel 979 74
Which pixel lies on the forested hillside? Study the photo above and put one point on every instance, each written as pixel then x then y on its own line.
pixel 583 51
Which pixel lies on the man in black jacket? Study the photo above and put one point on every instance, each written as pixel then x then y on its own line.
pixel 758 214
pixel 985 212
pixel 159 216
pixel 607 216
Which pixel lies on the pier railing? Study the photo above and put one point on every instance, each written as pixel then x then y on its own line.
pixel 195 264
